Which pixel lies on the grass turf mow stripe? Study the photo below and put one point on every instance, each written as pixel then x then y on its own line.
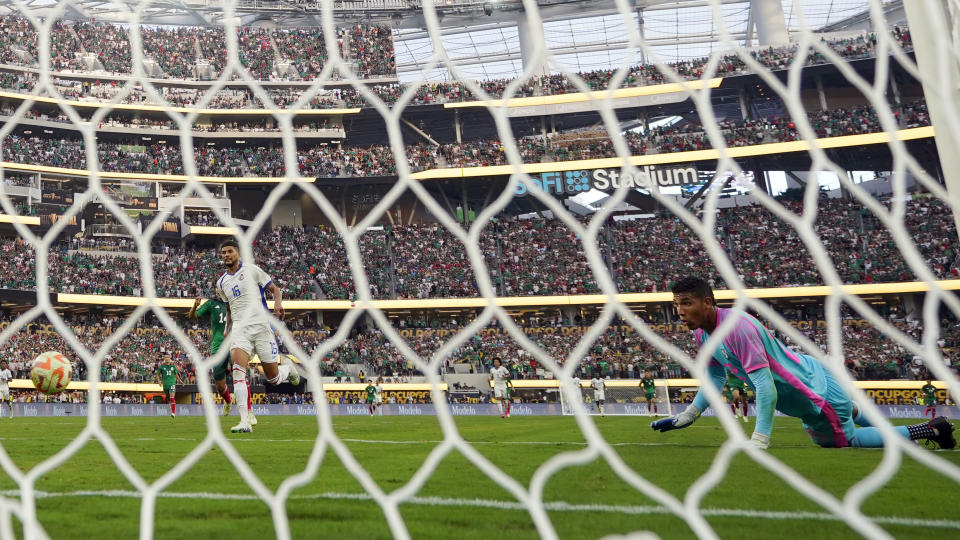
pixel 553 506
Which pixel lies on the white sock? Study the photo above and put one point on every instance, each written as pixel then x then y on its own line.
pixel 241 391
pixel 283 370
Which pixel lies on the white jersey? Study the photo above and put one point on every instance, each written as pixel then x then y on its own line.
pixel 598 387
pixel 5 377
pixel 500 376
pixel 244 291
pixel 379 394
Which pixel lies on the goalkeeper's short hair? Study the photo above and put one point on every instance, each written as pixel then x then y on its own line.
pixel 694 285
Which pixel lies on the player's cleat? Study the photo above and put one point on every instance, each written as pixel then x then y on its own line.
pixel 746 419
pixel 242 428
pixel 251 418
pixel 228 405
pixel 294 377
pixel 944 431
pixel 173 415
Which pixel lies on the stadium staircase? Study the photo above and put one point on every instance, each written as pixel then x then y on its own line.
pixel 346 50
pixel 318 291
pixel 201 64
pixel 283 67
pixel 24 56
pixel 393 268
pixel 608 251
pixel 501 286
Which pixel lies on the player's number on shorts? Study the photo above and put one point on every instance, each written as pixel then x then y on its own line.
pixel 273 348
pixel 236 291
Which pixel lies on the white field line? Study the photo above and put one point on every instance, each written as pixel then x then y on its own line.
pixel 553 506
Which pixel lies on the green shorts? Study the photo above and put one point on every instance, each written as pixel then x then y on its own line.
pixel 219 370
pixel 651 395
pixel 169 391
pixel 371 400
pixel 215 344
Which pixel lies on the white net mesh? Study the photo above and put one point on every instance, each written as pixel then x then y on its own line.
pixel 240 63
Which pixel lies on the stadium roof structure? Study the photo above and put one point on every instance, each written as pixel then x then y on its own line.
pixel 483 37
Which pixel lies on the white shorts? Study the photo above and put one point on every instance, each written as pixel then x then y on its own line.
pixel 257 339
pixel 4 392
pixel 378 400
pixel 500 392
pixel 598 396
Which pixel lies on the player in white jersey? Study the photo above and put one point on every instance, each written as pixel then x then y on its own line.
pixel 501 387
pixel 598 392
pixel 242 288
pixel 5 377
pixel 379 401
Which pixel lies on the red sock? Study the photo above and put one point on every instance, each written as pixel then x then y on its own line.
pixel 744 409
pixel 508 407
pixel 733 409
pixel 225 394
pixel 654 407
pixel 249 398
pixel 173 406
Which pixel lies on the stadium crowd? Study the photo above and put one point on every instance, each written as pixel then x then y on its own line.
pixel 268 54
pixel 618 353
pixel 525 257
pixel 378 160
pixel 371 49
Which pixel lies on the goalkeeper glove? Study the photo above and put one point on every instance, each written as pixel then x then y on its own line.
pixel 677 421
pixel 760 440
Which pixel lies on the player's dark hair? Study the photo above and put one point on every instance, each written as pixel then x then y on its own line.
pixel 230 242
pixel 694 285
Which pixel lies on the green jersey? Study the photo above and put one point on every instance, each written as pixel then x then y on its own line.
pixel 735 383
pixel 217 311
pixel 929 394
pixel 648 386
pixel 728 392
pixel 371 393
pixel 168 375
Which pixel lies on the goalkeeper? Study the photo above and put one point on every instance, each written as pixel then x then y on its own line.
pixel 785 381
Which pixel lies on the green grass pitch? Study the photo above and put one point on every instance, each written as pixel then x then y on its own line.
pixel 598 501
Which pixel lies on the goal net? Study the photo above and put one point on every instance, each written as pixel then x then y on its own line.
pixel 675 157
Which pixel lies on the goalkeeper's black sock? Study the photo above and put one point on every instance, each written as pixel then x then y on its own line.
pixel 921 431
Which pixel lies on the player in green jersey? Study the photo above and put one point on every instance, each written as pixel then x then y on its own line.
pixel 168 375
pixel 216 311
pixel 929 399
pixel 738 398
pixel 371 391
pixel 650 391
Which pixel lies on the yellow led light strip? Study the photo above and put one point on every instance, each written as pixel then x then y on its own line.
pixel 520 301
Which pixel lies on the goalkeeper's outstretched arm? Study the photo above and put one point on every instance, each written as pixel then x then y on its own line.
pixel 766 391
pixel 718 376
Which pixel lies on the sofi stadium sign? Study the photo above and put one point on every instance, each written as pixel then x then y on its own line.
pixel 574 182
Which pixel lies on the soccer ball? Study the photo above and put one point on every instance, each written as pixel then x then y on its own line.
pixel 51 372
